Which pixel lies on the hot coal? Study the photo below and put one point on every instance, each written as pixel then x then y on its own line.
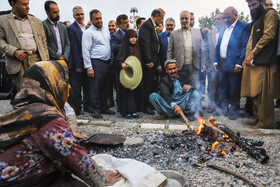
pixel 165 151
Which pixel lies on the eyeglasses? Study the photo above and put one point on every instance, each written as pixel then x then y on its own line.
pixel 79 14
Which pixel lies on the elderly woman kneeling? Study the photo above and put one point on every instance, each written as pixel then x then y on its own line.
pixel 37 147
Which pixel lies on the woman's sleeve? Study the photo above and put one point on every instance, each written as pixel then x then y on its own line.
pixel 56 141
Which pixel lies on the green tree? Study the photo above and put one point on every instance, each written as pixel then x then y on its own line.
pixel 242 17
pixel 207 21
pixel 278 8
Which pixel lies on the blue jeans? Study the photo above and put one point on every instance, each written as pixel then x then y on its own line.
pixel 189 103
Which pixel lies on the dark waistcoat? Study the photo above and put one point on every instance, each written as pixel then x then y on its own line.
pixel 267 55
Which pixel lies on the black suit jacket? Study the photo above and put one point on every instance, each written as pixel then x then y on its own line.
pixel 116 41
pixel 148 43
pixel 167 87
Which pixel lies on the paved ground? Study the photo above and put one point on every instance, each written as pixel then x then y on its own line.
pixel 239 161
pixel 240 124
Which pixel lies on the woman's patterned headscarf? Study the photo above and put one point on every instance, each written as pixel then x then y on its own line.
pixel 43 92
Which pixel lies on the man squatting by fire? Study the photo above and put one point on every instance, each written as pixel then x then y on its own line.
pixel 176 95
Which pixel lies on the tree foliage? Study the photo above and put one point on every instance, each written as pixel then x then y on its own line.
pixel 242 17
pixel 207 21
pixel 278 8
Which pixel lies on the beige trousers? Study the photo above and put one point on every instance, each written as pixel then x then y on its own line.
pixel 29 61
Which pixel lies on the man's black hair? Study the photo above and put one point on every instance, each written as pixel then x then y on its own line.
pixel 47 5
pixel 121 18
pixel 138 21
pixel 94 11
pixel 157 11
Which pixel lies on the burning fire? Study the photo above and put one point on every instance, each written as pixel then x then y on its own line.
pixel 222 152
pixel 201 121
pixel 226 137
pixel 214 145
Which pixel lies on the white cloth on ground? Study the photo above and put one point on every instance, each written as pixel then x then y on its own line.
pixel 135 173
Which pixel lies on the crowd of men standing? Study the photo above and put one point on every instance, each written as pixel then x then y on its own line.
pixel 239 58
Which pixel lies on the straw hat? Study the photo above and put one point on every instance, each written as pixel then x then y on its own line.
pixel 131 77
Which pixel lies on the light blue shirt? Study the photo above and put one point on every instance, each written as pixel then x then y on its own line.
pixel 123 32
pixel 177 93
pixel 95 44
pixel 58 39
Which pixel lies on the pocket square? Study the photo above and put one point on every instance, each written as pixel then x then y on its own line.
pixel 258 30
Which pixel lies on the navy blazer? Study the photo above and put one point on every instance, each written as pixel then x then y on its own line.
pixel 163 48
pixel 116 41
pixel 236 47
pixel 75 37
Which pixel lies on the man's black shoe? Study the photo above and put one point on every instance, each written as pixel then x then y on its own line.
pixel 97 115
pixel 277 103
pixel 89 110
pixel 149 111
pixel 108 111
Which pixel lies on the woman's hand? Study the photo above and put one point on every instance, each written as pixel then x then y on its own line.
pixel 80 136
pixel 112 177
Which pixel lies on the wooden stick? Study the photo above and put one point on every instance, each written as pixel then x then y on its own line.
pixel 186 120
pixel 232 173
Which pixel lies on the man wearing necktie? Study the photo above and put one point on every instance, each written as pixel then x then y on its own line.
pixel 149 48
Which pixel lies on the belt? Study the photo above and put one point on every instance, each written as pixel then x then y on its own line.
pixel 106 61
pixel 32 52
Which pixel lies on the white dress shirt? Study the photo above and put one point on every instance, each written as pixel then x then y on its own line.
pixel 225 40
pixel 83 27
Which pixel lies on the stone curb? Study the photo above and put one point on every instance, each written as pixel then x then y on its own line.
pixel 173 127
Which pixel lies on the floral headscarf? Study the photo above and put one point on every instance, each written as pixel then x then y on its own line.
pixel 43 92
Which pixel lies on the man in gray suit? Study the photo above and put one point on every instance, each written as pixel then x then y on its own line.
pixel 22 39
pixel 186 47
pixel 56 33
pixel 211 41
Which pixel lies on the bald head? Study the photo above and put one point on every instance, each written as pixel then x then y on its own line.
pixel 268 4
pixel 230 15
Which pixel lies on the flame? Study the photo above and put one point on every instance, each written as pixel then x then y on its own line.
pixel 214 145
pixel 222 152
pixel 201 121
pixel 226 137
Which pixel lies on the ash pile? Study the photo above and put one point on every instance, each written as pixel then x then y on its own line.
pixel 177 150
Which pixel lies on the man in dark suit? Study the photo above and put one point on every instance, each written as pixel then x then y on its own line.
pixel 176 94
pixel 149 48
pixel 77 73
pixel 56 33
pixel 164 40
pixel 116 41
pixel 229 55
